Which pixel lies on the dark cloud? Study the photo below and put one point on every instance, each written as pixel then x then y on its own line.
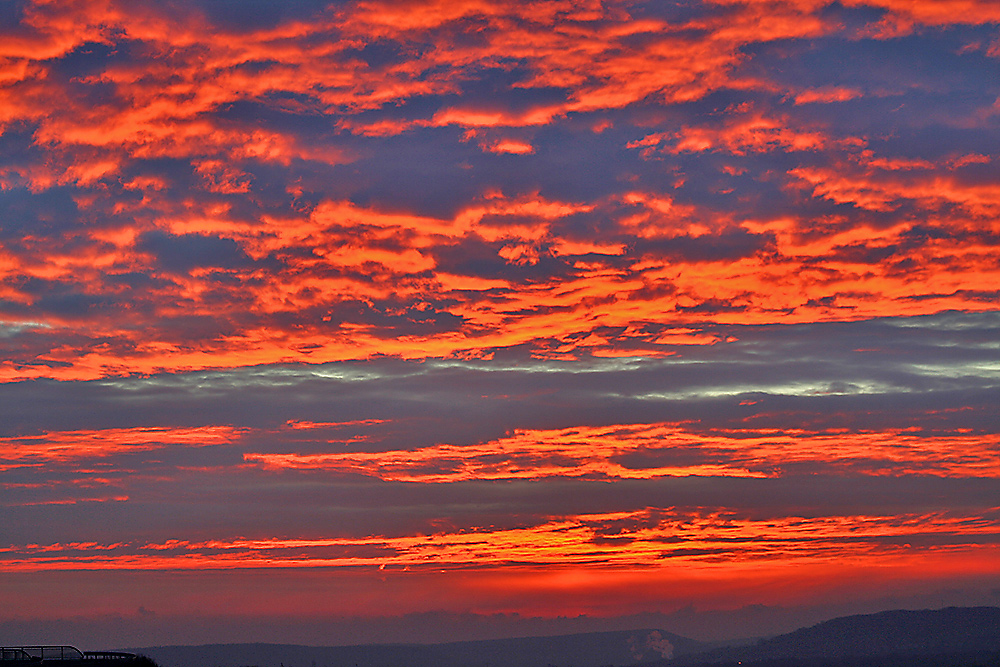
pixel 480 259
pixel 238 16
pixel 28 213
pixel 393 319
pixel 728 246
pixel 903 368
pixel 181 254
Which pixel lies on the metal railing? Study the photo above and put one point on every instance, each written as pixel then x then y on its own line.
pixel 35 653
pixel 13 654
pixel 108 655
pixel 38 654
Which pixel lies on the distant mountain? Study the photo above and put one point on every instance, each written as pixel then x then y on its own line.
pixel 953 636
pixel 593 649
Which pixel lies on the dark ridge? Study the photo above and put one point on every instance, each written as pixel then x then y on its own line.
pixel 952 636
pixel 594 649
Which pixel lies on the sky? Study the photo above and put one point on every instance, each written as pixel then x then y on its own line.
pixel 416 320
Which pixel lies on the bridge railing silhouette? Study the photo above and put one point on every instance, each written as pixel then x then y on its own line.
pixel 35 653
pixel 18 655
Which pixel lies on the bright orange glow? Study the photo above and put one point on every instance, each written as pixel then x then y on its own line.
pixel 649 539
pixel 605 453
pixel 753 134
pixel 68 446
pixel 511 146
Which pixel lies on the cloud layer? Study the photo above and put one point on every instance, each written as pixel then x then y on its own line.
pixel 185 190
pixel 524 305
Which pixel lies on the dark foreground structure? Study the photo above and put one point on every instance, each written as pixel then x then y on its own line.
pixel 68 656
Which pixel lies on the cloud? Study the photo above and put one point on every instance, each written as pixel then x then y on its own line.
pixel 243 147
pixel 644 451
pixel 809 421
pixel 628 292
pixel 181 254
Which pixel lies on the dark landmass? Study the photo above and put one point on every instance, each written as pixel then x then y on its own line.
pixel 953 637
pixel 947 637
pixel 592 649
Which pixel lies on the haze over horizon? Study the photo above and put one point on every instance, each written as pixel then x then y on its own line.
pixel 473 318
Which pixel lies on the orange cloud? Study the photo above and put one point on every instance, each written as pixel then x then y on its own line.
pixel 888 193
pixel 69 446
pixel 331 279
pixel 932 12
pixel 511 146
pixel 577 181
pixel 739 135
pixel 646 451
pixel 650 539
pixel 343 253
pixel 826 95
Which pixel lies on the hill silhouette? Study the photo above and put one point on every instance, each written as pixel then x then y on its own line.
pixel 593 649
pixel 953 637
